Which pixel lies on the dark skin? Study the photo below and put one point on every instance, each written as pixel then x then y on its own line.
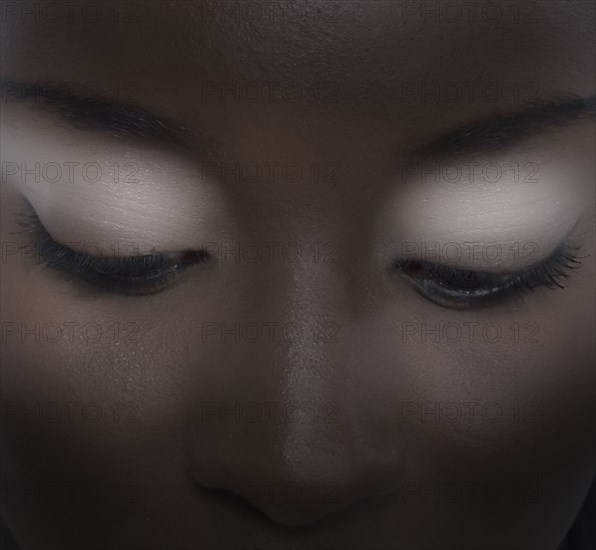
pixel 172 473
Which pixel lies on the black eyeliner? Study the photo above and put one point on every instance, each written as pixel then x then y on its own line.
pixel 140 274
pixel 456 288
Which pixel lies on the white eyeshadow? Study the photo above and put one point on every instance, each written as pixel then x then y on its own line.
pixel 494 226
pixel 169 207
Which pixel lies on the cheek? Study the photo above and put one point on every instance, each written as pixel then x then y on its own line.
pixel 509 415
pixel 75 364
pixel 505 401
pixel 503 395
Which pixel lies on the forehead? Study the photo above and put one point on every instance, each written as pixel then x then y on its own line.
pixel 387 67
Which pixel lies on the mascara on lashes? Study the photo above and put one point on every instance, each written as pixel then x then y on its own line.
pixel 137 275
pixel 456 288
pixel 444 285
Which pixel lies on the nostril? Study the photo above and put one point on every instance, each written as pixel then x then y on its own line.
pixel 286 503
pixel 299 503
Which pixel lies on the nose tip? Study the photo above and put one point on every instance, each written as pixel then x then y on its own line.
pixel 309 487
pixel 293 503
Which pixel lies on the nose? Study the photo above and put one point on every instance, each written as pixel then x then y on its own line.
pixel 296 472
pixel 290 424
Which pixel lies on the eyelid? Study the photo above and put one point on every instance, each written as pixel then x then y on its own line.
pixel 147 273
pixel 498 287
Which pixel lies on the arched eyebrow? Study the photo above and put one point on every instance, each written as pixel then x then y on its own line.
pixel 489 134
pixel 501 131
pixel 117 118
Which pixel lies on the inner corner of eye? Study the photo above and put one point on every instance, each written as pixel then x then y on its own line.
pixel 411 265
pixel 194 256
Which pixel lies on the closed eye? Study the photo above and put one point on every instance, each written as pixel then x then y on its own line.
pixel 140 274
pixel 456 288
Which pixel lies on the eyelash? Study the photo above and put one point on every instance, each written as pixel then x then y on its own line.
pixel 455 288
pixel 443 285
pixel 132 275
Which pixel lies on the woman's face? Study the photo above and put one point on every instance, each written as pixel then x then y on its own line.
pixel 323 335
